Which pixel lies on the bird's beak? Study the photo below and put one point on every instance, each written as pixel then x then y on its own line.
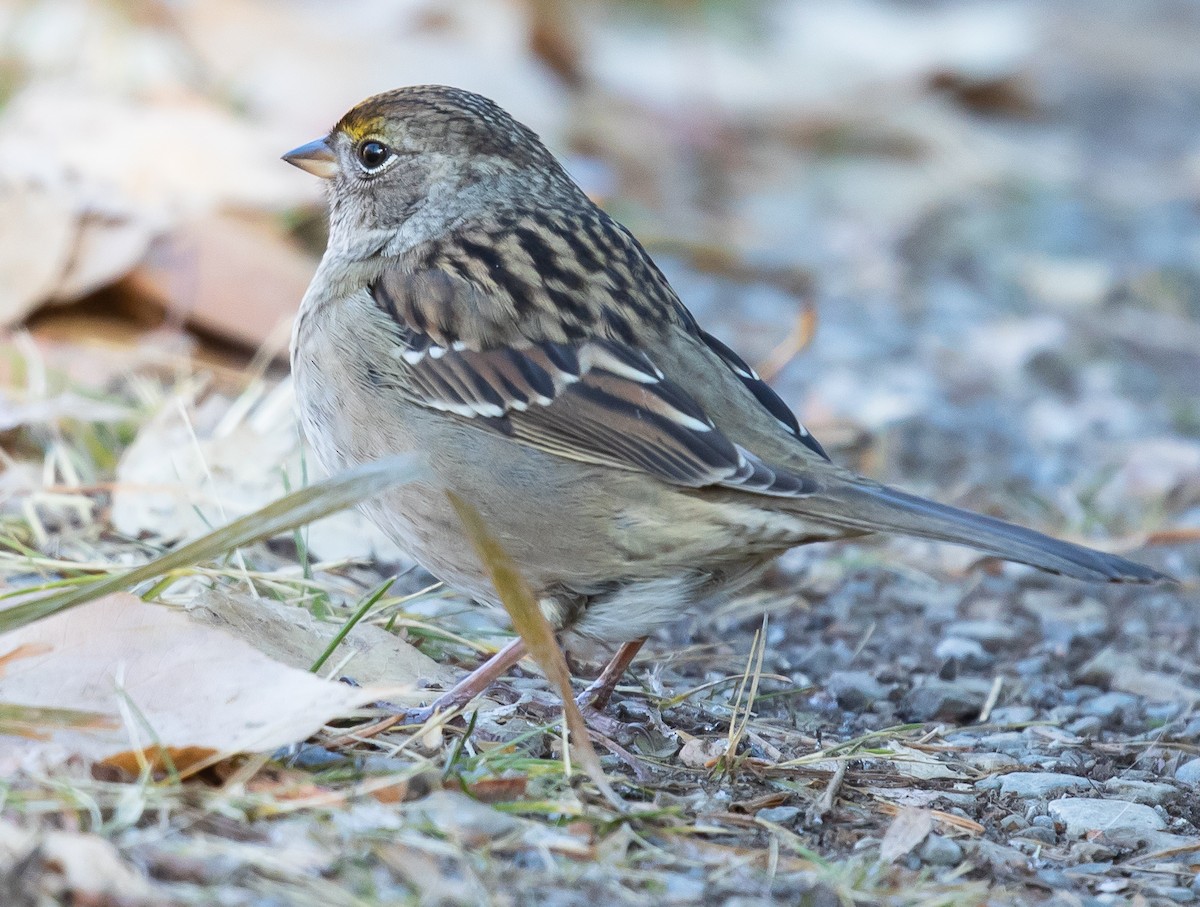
pixel 316 158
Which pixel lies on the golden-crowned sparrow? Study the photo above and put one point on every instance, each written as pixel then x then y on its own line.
pixel 475 305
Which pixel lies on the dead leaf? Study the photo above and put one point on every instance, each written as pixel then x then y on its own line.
pixel 193 467
pixel 164 680
pixel 703 752
pixel 294 637
pixel 476 826
pixel 498 790
pixel 72 867
pixel 37 229
pixel 202 270
pixel 911 826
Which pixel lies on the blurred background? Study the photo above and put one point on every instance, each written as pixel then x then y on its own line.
pixel 962 237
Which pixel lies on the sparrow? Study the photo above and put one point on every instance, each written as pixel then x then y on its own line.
pixel 474 305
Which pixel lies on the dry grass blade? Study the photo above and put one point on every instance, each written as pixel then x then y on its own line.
pixel 740 719
pixel 34 722
pixel 533 627
pixel 336 493
pixel 803 329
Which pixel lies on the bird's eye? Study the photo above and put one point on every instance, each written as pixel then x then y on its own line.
pixel 373 155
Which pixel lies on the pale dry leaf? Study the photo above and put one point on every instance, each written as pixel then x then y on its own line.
pixel 38 225
pixel 49 411
pixel 814 56
pixel 107 246
pixel 77 216
pixel 180 477
pixel 160 158
pixel 475 825
pixel 367 47
pixel 72 867
pixel 912 763
pixel 703 752
pixel 911 826
pixel 196 690
pixel 294 637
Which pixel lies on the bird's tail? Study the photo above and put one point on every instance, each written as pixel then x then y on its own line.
pixel 870 507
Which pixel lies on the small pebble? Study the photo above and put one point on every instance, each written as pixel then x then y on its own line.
pixel 985 631
pixel 1012 714
pixel 940 851
pixel 780 815
pixel 855 690
pixel 989 762
pixel 1176 894
pixel 1189 772
pixel 1013 822
pixel 967 652
pixel 1087 726
pixel 1039 834
pixel 1109 705
pixel 941 700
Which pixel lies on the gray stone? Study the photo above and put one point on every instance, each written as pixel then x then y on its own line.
pixel 1037 833
pixel 855 690
pixel 1177 894
pixel 995 632
pixel 966 651
pixel 1113 817
pixel 1040 784
pixel 1012 714
pixel 1148 792
pixel 1063 623
pixel 780 815
pixel 1189 772
pixel 1013 822
pixel 989 762
pixel 1109 705
pixel 1011 742
pixel 939 851
pixel 1087 726
pixel 944 700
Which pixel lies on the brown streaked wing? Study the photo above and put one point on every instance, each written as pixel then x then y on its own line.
pixel 595 401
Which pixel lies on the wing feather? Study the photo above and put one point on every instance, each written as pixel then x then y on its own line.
pixel 595 400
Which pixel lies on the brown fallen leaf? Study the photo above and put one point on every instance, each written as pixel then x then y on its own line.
pixel 498 790
pixel 175 689
pixel 202 269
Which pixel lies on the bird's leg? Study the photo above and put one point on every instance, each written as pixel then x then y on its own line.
pixel 596 696
pixel 474 683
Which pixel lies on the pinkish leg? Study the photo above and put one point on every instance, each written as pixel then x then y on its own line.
pixel 599 690
pixel 476 682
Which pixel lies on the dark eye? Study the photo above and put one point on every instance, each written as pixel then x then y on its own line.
pixel 373 155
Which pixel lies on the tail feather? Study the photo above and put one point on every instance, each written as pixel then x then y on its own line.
pixel 878 508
